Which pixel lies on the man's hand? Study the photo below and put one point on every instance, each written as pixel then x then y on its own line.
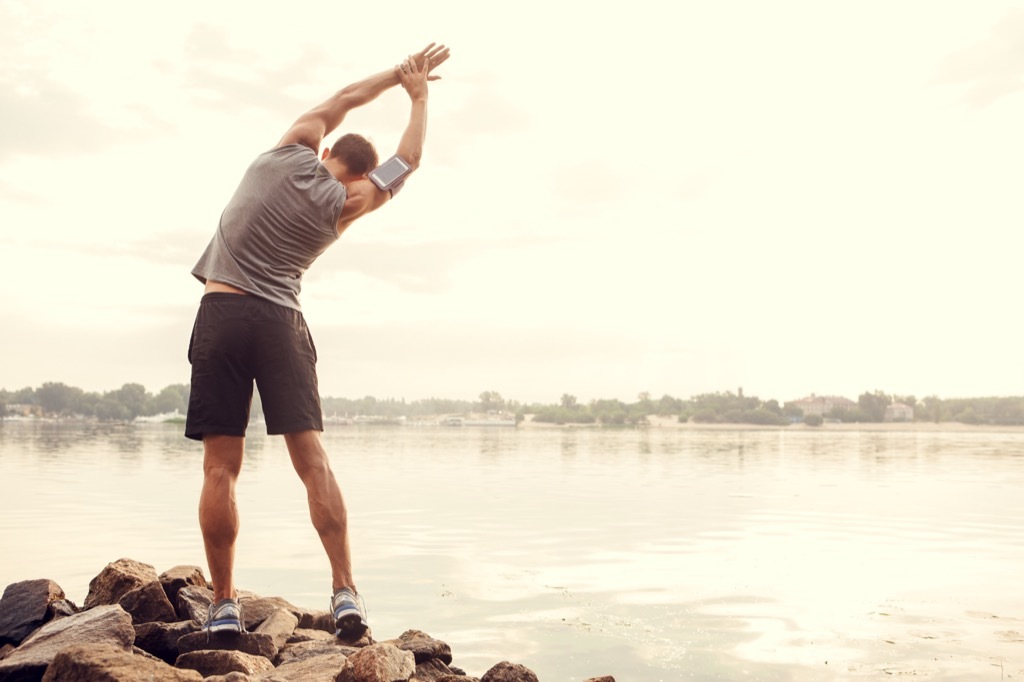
pixel 431 57
pixel 414 78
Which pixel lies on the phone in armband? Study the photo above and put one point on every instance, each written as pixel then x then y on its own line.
pixel 391 173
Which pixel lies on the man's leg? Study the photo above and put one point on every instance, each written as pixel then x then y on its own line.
pixel 218 512
pixel 326 506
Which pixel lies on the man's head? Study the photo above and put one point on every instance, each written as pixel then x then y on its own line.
pixel 352 156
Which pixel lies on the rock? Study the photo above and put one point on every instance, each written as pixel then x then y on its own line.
pixel 173 579
pixel 331 667
pixel 161 639
pixel 148 604
pixel 230 677
pixel 300 651
pixel 279 626
pixel 103 625
pixel 253 643
pixel 25 606
pixel 116 580
pixel 317 620
pixel 193 603
pixel 109 663
pixel 221 662
pixel 383 662
pixel 423 646
pixel 304 635
pixel 431 670
pixel 509 672
pixel 256 609
pixel 5 649
pixel 62 608
pixel 605 678
pixel 457 678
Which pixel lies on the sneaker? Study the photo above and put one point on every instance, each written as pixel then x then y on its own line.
pixel 349 615
pixel 225 616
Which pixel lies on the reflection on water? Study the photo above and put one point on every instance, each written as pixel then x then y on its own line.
pixel 648 555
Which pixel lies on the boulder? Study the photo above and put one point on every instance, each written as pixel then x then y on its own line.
pixel 149 604
pixel 193 603
pixel 603 678
pixel 457 678
pixel 161 639
pixel 254 643
pixel 256 609
pixel 221 662
pixel 299 651
pixel 423 646
pixel 103 625
pixel 109 663
pixel 24 607
pixel 509 672
pixel 304 635
pixel 329 667
pixel 62 608
pixel 117 579
pixel 431 670
pixel 230 677
pixel 178 577
pixel 279 626
pixel 383 662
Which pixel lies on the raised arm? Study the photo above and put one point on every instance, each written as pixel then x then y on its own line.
pixel 363 195
pixel 311 128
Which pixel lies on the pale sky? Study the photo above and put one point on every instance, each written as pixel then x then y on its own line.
pixel 789 197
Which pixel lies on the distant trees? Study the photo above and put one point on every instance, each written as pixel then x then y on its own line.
pixel 132 400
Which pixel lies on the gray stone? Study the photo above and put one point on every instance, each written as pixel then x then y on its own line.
pixel 423 646
pixel 279 625
pixel 62 608
pixel 178 577
pixel 103 625
pixel 161 639
pixel 306 635
pixel 193 603
pixel 117 579
pixel 257 609
pixel 149 604
pixel 221 662
pixel 253 643
pixel 331 667
pixel 299 651
pixel 109 663
pixel 383 662
pixel 509 672
pixel 25 606
pixel 431 670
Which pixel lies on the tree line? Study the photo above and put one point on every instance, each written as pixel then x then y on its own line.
pixel 54 399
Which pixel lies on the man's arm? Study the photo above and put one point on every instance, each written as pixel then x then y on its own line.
pixel 363 195
pixel 311 128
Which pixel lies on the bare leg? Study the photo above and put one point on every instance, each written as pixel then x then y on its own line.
pixel 218 512
pixel 326 506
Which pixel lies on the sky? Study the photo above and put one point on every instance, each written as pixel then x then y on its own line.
pixel 790 198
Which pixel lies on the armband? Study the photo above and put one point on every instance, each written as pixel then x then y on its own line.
pixel 391 174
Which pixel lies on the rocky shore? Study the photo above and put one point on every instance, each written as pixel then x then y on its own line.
pixel 137 625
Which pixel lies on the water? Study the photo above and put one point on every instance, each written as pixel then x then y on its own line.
pixel 659 554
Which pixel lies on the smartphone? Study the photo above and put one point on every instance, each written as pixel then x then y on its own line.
pixel 390 173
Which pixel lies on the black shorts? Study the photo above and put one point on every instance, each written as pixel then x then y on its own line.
pixel 239 339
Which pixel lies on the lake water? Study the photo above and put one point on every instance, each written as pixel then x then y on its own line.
pixel 657 554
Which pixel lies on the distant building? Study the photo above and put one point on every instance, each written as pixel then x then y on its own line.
pixel 898 412
pixel 822 405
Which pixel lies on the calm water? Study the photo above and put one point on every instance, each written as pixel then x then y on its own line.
pixel 647 555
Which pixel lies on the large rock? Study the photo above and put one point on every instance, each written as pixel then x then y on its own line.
pixel 423 646
pixel 603 678
pixel 173 579
pixel 255 643
pixel 222 662
pixel 298 651
pixel 161 639
pixel 279 626
pixel 257 609
pixel 149 604
pixel 117 579
pixel 509 672
pixel 24 607
pixel 330 667
pixel 383 662
pixel 109 663
pixel 193 603
pixel 103 625
pixel 432 670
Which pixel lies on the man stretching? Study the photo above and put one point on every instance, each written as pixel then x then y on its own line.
pixel 292 203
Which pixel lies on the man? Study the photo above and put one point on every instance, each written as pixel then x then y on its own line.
pixel 291 204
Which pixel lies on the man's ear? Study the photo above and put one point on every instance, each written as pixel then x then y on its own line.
pixel 325 153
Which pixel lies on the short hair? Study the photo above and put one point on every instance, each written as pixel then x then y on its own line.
pixel 356 152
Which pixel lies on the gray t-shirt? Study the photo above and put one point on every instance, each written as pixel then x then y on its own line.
pixel 282 216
